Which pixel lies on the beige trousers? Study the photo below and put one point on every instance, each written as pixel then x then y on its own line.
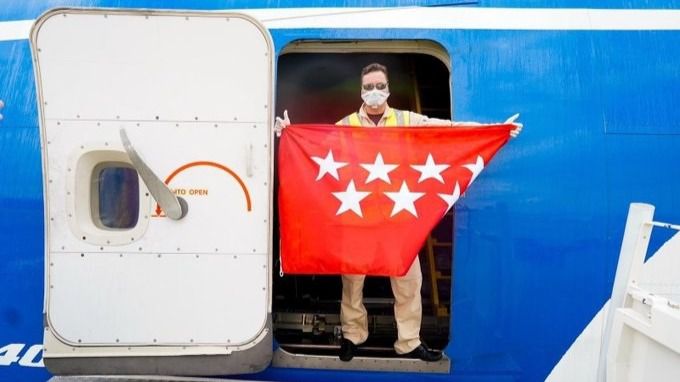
pixel 408 309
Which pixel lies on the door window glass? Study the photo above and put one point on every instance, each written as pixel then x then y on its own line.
pixel 116 203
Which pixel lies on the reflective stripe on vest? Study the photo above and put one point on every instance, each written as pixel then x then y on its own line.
pixel 403 118
pixel 397 118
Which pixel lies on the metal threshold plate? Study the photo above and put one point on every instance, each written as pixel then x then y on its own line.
pixel 283 358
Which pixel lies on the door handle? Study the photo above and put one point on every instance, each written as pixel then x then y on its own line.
pixel 249 161
pixel 175 207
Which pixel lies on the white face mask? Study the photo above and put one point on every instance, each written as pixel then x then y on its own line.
pixel 375 97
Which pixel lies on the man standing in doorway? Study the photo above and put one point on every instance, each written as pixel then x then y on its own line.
pixel 375 112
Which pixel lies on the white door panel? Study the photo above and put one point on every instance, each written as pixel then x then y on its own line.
pixel 192 92
pixel 179 299
pixel 144 66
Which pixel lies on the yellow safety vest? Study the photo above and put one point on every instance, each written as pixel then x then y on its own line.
pixel 394 118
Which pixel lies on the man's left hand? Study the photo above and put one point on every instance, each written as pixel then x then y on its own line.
pixel 518 126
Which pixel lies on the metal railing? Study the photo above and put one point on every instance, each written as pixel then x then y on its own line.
pixel 639 225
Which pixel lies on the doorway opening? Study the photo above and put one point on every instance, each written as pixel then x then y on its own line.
pixel 319 82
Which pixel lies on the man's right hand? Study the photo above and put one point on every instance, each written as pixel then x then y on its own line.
pixel 281 123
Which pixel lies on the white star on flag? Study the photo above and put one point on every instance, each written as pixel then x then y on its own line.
pixel 378 170
pixel 476 168
pixel 451 199
pixel 404 200
pixel 430 169
pixel 328 165
pixel 350 199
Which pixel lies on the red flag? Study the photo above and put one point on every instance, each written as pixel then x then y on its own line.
pixel 358 200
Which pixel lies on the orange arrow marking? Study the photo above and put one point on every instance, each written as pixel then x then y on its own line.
pixel 211 164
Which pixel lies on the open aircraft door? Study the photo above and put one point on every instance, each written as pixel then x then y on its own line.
pixel 157 168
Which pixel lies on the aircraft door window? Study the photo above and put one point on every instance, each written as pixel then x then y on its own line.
pixel 115 196
pixel 108 204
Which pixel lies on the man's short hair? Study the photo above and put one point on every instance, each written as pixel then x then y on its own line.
pixel 374 67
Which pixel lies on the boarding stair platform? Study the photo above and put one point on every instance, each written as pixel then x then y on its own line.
pixel 641 338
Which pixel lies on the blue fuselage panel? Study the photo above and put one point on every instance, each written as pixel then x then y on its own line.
pixel 538 234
